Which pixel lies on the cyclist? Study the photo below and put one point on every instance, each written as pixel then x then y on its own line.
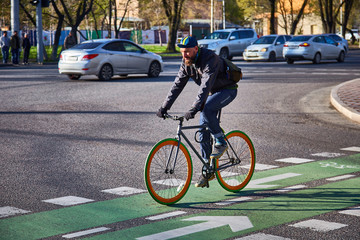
pixel 216 91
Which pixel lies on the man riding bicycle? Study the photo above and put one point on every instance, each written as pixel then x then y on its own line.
pixel 208 70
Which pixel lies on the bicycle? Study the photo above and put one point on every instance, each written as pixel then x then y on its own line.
pixel 168 168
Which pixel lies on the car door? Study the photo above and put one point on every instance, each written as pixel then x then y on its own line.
pixel 246 38
pixel 117 57
pixel 234 44
pixel 137 59
pixel 321 46
pixel 333 48
pixel 279 44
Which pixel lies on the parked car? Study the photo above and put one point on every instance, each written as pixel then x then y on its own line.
pixel 268 47
pixel 108 57
pixel 228 43
pixel 340 40
pixel 314 48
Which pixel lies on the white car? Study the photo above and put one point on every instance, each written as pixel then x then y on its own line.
pixel 108 57
pixel 314 48
pixel 268 47
pixel 228 43
pixel 348 35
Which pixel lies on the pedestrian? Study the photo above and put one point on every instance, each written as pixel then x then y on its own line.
pixel 5 46
pixel 15 47
pixel 216 91
pixel 26 46
pixel 70 41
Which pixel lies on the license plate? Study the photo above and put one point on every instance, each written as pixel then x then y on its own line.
pixel 252 54
pixel 71 58
pixel 293 47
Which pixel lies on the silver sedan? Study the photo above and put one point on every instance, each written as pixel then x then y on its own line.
pixel 108 57
pixel 314 48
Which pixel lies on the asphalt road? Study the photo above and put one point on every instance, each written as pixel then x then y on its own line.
pixel 80 138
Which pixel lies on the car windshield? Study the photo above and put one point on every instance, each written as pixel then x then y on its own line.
pixel 219 35
pixel 90 45
pixel 300 39
pixel 265 40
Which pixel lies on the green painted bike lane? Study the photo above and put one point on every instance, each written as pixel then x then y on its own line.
pixel 82 217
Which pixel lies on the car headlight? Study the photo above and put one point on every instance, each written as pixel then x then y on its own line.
pixel 245 50
pixel 263 50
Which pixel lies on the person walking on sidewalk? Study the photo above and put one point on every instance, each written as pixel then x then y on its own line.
pixel 15 48
pixel 216 91
pixel 26 46
pixel 5 46
pixel 69 41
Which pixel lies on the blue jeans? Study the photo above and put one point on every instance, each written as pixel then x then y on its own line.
pixel 15 56
pixel 5 53
pixel 213 105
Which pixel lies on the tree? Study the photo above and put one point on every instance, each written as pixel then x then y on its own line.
pixel 347 12
pixel 272 16
pixel 81 7
pixel 290 15
pixel 173 9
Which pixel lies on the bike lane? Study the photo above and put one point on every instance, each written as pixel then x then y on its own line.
pixel 86 216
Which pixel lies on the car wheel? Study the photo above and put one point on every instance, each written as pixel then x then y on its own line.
pixel 74 76
pixel 272 57
pixel 224 53
pixel 106 72
pixel 317 58
pixel 290 61
pixel 154 69
pixel 341 57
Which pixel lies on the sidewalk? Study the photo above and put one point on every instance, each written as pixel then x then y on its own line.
pixel 346 99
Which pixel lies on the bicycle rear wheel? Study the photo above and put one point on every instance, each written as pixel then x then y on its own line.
pixel 240 159
pixel 167 182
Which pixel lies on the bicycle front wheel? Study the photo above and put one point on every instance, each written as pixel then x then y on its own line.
pixel 168 171
pixel 237 164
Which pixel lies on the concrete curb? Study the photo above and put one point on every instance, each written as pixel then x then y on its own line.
pixel 341 106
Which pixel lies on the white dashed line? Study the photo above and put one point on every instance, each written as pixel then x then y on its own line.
pixel 87 232
pixel 355 211
pixel 166 215
pixel 68 200
pixel 124 191
pixel 262 236
pixel 319 225
pixel 10 211
pixel 340 177
pixel 294 160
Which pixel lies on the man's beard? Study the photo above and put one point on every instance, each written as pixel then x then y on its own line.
pixel 189 61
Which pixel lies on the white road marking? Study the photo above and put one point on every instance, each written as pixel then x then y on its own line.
pixel 327 154
pixel 262 236
pixel 68 200
pixel 319 225
pixel 236 223
pixel 166 215
pixel 123 191
pixel 87 232
pixel 294 160
pixel 354 149
pixel 340 177
pixel 170 182
pixel 257 183
pixel 10 211
pixel 355 211
pixel 286 189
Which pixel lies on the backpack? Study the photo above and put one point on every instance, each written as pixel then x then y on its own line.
pixel 232 71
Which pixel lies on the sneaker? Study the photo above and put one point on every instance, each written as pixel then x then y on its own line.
pixel 219 149
pixel 204 182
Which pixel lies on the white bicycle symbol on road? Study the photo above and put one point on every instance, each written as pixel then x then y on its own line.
pixel 336 165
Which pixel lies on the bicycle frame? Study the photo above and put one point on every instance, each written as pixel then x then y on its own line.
pixel 180 134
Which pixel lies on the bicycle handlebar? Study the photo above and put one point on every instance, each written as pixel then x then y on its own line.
pixel 175 118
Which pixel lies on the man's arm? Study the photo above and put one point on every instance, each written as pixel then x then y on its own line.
pixel 179 83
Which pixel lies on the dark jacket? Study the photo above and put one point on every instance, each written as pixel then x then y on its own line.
pixel 26 43
pixel 209 73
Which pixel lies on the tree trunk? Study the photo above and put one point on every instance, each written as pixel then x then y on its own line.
pixel 298 17
pixel 57 38
pixel 272 16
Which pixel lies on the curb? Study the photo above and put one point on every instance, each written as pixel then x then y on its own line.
pixel 341 106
